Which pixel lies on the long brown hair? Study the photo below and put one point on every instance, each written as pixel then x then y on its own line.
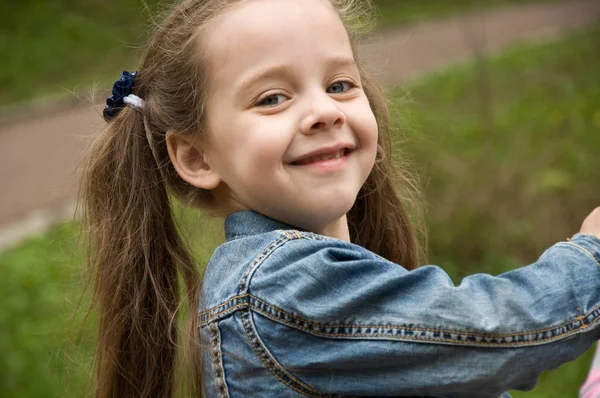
pixel 135 253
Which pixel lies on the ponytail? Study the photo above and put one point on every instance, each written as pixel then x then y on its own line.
pixel 135 256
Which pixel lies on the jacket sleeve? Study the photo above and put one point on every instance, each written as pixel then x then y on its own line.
pixel 331 318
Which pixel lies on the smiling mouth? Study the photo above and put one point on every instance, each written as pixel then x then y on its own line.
pixel 323 157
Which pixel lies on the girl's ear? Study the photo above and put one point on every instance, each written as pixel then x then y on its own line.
pixel 191 162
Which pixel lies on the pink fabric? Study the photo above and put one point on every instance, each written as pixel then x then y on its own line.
pixel 591 387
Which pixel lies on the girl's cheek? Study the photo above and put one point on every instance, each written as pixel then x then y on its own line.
pixel 369 128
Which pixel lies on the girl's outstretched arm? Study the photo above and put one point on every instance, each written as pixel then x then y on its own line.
pixel 322 317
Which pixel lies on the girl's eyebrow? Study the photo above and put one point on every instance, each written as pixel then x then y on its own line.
pixel 288 70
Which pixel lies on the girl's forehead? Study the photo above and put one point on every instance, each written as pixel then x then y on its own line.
pixel 256 30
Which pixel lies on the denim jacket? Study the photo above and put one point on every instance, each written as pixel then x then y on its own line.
pixel 288 313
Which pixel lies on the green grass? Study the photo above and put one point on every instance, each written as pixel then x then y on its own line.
pixel 39 282
pixel 65 48
pixel 509 144
pixel 509 148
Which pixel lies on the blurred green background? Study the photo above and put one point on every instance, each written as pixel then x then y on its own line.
pixel 505 147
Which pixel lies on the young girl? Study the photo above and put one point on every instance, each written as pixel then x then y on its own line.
pixel 259 110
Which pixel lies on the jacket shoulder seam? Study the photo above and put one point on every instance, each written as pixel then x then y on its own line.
pixel 240 301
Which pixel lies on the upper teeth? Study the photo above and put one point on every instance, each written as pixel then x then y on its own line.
pixel 325 156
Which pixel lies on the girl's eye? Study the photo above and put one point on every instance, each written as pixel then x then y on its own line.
pixel 272 100
pixel 339 87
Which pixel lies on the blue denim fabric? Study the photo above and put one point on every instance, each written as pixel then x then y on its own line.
pixel 288 313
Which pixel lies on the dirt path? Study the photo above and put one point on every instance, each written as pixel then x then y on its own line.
pixel 39 149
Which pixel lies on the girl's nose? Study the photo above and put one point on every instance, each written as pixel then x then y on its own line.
pixel 323 114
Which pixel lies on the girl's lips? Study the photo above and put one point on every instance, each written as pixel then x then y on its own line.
pixel 325 163
pixel 321 158
pixel 324 152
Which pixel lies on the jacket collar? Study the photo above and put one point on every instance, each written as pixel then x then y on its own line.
pixel 247 223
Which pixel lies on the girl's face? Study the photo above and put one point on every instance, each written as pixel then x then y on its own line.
pixel 283 86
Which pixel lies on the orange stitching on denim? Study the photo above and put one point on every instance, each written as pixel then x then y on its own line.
pixel 229 309
pixel 242 305
pixel 452 342
pixel 241 296
pixel 217 362
pixel 296 235
pixel 498 335
pixel 287 234
pixel 584 249
pixel 308 235
pixel 413 328
pixel 309 394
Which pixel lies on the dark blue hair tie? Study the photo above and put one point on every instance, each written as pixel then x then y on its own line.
pixel 121 96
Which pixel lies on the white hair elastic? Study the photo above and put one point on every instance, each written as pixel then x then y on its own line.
pixel 134 102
